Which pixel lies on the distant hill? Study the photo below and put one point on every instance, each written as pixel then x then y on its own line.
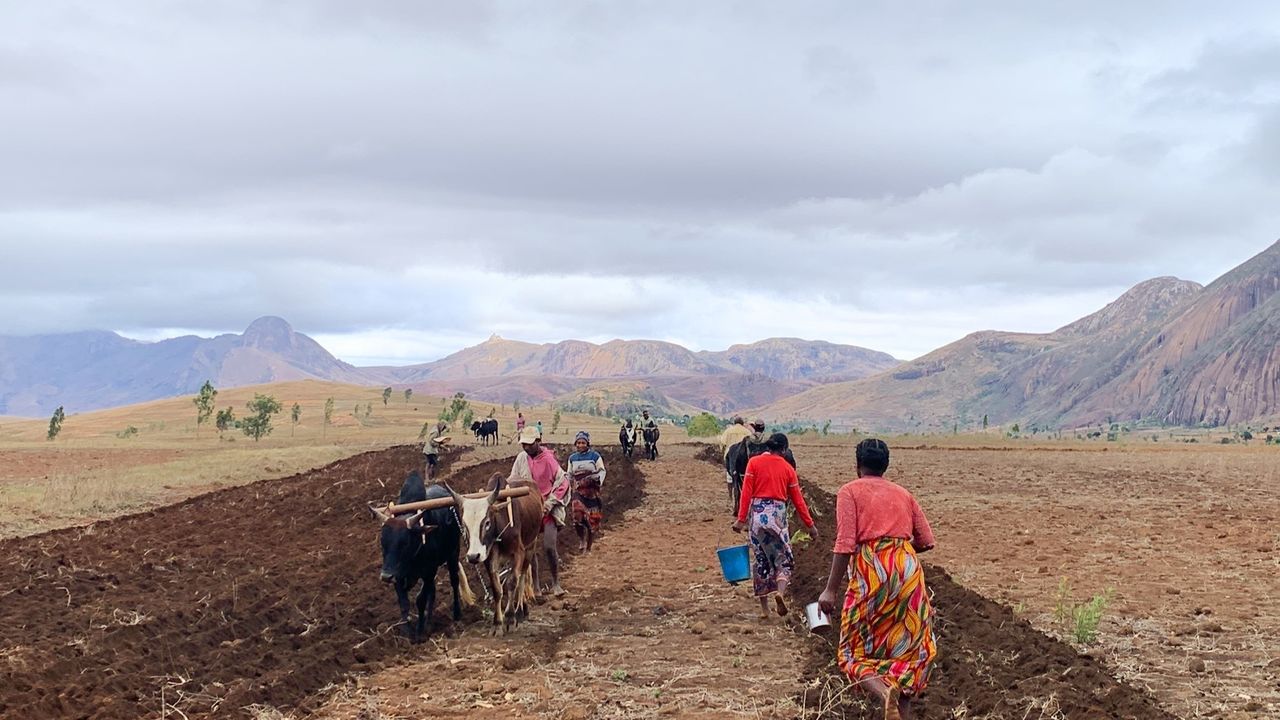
pixel 775 358
pixel 1167 351
pixel 93 370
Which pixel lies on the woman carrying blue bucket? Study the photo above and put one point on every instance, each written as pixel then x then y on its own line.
pixel 768 484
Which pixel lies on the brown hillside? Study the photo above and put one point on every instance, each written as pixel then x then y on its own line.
pixel 1005 376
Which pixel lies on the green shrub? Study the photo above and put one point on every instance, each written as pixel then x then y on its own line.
pixel 703 425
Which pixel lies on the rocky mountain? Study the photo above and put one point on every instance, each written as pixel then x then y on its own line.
pixel 775 358
pixel 91 370
pixel 795 359
pixel 1167 351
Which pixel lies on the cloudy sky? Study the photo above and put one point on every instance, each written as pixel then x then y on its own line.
pixel 400 179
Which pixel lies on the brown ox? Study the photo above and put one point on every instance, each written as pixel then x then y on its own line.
pixel 504 531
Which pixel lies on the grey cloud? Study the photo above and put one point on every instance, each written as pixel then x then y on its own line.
pixel 356 165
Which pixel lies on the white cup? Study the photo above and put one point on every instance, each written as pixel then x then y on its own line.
pixel 816 619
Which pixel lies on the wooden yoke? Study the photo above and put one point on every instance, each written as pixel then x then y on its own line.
pixel 448 501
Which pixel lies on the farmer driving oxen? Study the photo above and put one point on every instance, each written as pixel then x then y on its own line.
pixel 737 456
pixel 539 465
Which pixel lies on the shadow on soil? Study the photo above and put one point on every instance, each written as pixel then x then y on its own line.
pixel 991 663
pixel 261 594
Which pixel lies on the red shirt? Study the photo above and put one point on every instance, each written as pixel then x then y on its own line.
pixel 871 508
pixel 770 477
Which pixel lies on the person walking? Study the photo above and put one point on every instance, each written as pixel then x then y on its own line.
pixel 887 644
pixel 767 486
pixel 431 450
pixel 586 467
pixel 538 465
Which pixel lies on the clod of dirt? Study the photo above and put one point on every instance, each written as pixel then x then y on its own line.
pixel 698 628
pixel 516 661
pixel 1196 666
pixel 490 687
pixel 811 697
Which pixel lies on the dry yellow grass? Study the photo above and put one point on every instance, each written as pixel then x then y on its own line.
pixel 90 472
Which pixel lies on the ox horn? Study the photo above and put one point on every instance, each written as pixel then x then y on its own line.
pixel 379 513
pixel 457 499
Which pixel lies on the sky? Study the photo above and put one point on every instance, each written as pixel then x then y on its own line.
pixel 401 179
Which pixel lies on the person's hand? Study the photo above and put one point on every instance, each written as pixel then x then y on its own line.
pixel 548 505
pixel 827 601
pixel 813 532
pixel 738 526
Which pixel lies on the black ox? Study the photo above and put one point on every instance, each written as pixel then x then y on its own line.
pixel 414 546
pixel 484 430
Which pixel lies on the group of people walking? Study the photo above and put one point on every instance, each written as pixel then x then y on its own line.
pixel 886 641
pixel 572 491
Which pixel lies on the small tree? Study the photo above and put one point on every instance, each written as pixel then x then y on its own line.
pixel 408 393
pixel 984 422
pixel 555 421
pixel 703 425
pixel 258 422
pixel 328 416
pixel 826 428
pixel 1246 436
pixel 468 416
pixel 295 414
pixel 515 406
pixel 1015 429
pixel 386 395
pixel 55 423
pixel 225 419
pixel 204 402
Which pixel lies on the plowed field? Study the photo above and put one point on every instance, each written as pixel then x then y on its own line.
pixel 266 596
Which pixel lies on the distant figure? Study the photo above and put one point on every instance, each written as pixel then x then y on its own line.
pixel 769 483
pixel 431 450
pixel 887 645
pixel 539 426
pixel 649 431
pixel 731 436
pixel 519 422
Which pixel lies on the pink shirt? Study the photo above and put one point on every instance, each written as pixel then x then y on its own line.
pixel 871 508
pixel 545 471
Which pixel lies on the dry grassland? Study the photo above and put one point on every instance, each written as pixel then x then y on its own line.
pixel 90 472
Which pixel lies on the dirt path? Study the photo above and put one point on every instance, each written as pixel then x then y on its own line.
pixel 649 629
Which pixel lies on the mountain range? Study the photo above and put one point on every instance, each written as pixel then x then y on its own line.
pixel 97 369
pixel 1167 351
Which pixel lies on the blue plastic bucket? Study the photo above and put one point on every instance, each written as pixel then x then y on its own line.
pixel 735 563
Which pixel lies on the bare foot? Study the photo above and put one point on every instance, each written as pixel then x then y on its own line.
pixel 558 591
pixel 780 605
pixel 891 711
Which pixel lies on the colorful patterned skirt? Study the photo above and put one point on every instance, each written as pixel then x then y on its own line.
pixel 771 545
pixel 588 508
pixel 887 630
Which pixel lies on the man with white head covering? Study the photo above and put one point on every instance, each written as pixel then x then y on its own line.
pixel 539 466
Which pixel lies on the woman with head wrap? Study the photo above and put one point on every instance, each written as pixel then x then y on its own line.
pixel 586 467
pixel 887 645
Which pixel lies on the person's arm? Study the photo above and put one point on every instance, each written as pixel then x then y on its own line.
pixel 845 545
pixel 600 470
pixel 797 499
pixel 921 534
pixel 744 502
pixel 836 578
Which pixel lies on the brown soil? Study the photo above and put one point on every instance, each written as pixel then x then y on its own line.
pixel 267 595
pixel 257 594
pixel 991 663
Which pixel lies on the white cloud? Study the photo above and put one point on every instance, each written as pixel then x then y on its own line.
pixel 400 178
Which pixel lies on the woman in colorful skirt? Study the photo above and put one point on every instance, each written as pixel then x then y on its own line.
pixel 887 644
pixel 586 467
pixel 767 485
